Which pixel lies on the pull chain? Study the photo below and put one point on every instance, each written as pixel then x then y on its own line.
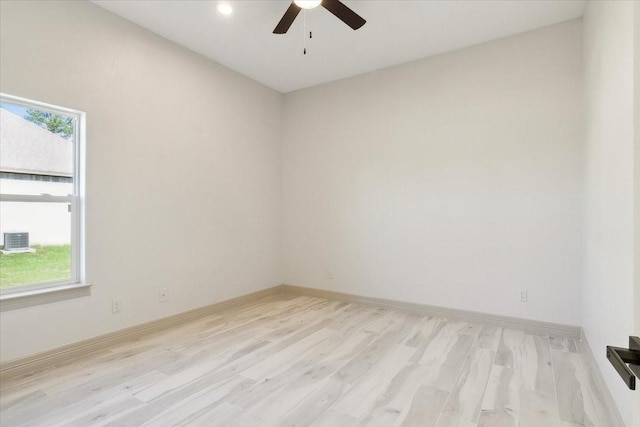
pixel 304 32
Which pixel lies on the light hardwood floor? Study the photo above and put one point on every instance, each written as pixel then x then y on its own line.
pixel 297 361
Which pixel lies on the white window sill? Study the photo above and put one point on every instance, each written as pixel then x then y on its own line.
pixel 14 300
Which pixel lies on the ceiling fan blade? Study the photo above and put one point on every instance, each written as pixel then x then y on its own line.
pixel 343 13
pixel 287 19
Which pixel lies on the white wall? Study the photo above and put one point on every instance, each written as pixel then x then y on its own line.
pixel 608 116
pixel 172 138
pixel 455 180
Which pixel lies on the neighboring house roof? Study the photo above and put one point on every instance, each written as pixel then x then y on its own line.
pixel 27 148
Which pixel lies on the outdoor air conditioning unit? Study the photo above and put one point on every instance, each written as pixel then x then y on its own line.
pixel 16 242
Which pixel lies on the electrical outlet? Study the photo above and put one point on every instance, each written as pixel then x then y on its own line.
pixel 162 295
pixel 329 274
pixel 116 305
pixel 523 295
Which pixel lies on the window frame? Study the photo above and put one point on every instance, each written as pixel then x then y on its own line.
pixel 75 201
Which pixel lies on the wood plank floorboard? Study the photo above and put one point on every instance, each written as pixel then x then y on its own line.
pixel 292 360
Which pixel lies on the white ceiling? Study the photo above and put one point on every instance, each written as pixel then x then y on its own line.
pixel 396 31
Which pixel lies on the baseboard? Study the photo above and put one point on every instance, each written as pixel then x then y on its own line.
pixel 73 351
pixel 529 326
pixel 609 407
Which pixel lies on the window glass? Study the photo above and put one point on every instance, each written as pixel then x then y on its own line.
pixel 40 237
pixel 40 231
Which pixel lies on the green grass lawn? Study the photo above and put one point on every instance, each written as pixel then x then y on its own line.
pixel 47 264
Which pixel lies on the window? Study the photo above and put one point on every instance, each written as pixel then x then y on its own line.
pixel 41 203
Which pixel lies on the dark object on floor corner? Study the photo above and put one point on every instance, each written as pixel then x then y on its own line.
pixel 620 357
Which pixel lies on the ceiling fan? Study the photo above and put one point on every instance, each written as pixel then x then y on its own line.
pixel 339 9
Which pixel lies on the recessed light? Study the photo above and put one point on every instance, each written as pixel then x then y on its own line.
pixel 225 8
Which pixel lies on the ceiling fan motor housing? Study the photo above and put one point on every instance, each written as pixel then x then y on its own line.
pixel 336 7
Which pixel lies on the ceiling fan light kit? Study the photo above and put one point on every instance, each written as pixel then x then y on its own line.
pixel 307 4
pixel 336 7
